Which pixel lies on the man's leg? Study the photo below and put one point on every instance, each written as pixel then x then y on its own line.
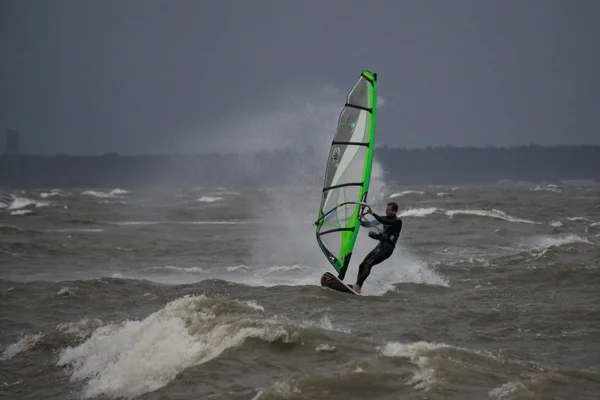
pixel 342 273
pixel 376 256
pixel 367 257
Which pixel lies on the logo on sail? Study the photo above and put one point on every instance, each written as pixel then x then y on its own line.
pixel 335 156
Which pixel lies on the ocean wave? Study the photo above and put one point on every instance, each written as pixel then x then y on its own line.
pixel 542 244
pixel 494 213
pixel 74 230
pixel 172 268
pixel 549 188
pixel 45 195
pixel 510 389
pixel 578 219
pixel 209 199
pixel 27 342
pixel 113 193
pixel 21 212
pixel 19 203
pixel 406 193
pixel 424 377
pixel 417 212
pixel 437 359
pixel 63 334
pixel 188 331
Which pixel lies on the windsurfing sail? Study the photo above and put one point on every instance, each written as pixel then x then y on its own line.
pixel 348 174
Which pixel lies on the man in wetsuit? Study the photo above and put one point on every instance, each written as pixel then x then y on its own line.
pixel 392 225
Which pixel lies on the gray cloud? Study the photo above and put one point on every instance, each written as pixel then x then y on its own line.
pixel 190 76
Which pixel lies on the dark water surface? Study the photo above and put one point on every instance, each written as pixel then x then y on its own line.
pixel 213 293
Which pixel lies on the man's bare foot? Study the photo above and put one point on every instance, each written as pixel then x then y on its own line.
pixel 356 288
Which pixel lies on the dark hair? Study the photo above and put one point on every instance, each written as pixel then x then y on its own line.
pixel 394 205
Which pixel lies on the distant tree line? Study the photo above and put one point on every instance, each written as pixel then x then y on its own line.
pixel 432 165
pixel 456 165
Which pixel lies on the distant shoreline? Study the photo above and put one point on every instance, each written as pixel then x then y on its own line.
pixel 426 166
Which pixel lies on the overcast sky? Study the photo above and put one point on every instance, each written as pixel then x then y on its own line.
pixel 85 77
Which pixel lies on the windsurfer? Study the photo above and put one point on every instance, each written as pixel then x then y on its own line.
pixel 392 225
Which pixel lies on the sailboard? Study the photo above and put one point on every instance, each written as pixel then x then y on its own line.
pixel 347 179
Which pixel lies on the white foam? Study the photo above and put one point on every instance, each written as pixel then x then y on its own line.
pixel 126 223
pixel 21 212
pixel 547 189
pixel 424 377
pixel 544 243
pixel 420 354
pixel 25 343
pixel 401 267
pixel 277 275
pixel 84 230
pixel 17 382
pixel 417 212
pixel 508 390
pixel 29 341
pixel 96 194
pixel 256 276
pixel 578 219
pixel 405 193
pixel 494 213
pixel 253 304
pixel 209 199
pixel 65 291
pixel 80 329
pixel 284 268
pixel 556 224
pixel 51 194
pixel 22 202
pixel 326 324
pixel 195 270
pixel 112 193
pixel 325 347
pixel 538 246
pixel 281 389
pixel 137 357
pixel 238 268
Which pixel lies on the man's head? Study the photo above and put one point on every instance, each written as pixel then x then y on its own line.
pixel 391 209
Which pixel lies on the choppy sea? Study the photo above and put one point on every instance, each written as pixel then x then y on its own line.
pixel 493 292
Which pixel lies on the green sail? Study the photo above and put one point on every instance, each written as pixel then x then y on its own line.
pixel 348 174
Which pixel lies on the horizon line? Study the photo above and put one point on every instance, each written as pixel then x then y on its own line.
pixel 303 149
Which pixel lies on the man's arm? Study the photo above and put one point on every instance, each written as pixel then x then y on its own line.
pixel 375 235
pixel 368 224
pixel 385 220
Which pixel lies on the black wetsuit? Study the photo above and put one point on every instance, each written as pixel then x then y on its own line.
pixel 387 242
